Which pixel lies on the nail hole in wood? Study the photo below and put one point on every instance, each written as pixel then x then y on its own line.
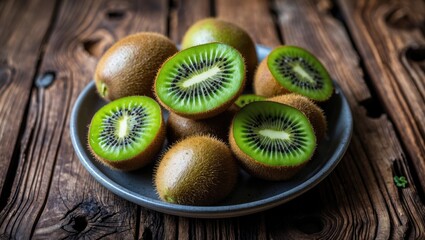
pixel 80 223
pixel 309 224
pixel 115 14
pixel 400 18
pixel 93 47
pixel 373 108
pixel 45 80
pixel 147 234
pixel 5 76
pixel 416 54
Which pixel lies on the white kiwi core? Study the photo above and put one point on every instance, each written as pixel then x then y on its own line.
pixel 274 134
pixel 201 77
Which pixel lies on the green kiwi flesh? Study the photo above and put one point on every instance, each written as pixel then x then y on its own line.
pixel 300 72
pixel 201 81
pixel 272 141
pixel 245 99
pixel 199 170
pixel 127 133
pixel 314 113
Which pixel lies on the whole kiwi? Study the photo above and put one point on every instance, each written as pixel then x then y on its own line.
pixel 129 66
pixel 179 127
pixel 200 170
pixel 217 30
pixel 313 112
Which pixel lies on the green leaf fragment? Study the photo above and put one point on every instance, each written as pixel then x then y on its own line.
pixel 400 182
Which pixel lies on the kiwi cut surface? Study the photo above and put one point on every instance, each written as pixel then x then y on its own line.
pixel 300 72
pixel 313 112
pixel 127 133
pixel 272 141
pixel 130 65
pixel 199 170
pixel 201 81
pixel 245 99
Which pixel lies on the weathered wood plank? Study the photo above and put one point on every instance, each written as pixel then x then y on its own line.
pixel 53 195
pixel 18 59
pixel 359 199
pixel 104 213
pixel 183 13
pixel 390 38
pixel 252 15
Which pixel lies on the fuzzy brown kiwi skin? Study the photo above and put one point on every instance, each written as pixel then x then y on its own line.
pixel 261 170
pixel 202 115
pixel 265 84
pixel 144 158
pixel 313 112
pixel 211 176
pixel 129 66
pixel 180 127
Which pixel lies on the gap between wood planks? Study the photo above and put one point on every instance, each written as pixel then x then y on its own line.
pixel 14 162
pixel 374 105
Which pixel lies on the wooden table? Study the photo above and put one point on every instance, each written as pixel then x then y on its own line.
pixel 375 49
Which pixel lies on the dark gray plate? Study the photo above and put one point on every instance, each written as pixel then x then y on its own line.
pixel 251 195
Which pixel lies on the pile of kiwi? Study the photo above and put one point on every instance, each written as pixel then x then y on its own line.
pixel 216 122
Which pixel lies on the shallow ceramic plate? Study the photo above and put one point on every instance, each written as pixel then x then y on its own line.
pixel 251 195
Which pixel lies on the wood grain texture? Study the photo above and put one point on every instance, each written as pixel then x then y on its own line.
pixel 359 199
pixel 253 16
pixel 77 205
pixel 390 36
pixel 52 196
pixel 18 65
pixel 183 13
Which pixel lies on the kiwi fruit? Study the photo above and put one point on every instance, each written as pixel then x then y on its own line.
pixel 295 70
pixel 202 81
pixel 199 170
pixel 127 133
pixel 130 65
pixel 272 141
pixel 313 112
pixel 179 127
pixel 264 83
pixel 216 30
pixel 245 99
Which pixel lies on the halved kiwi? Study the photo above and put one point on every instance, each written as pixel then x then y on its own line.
pixel 314 113
pixel 199 170
pixel 297 70
pixel 201 81
pixel 272 141
pixel 127 133
pixel 244 99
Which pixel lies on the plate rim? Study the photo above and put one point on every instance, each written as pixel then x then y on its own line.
pixel 223 211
